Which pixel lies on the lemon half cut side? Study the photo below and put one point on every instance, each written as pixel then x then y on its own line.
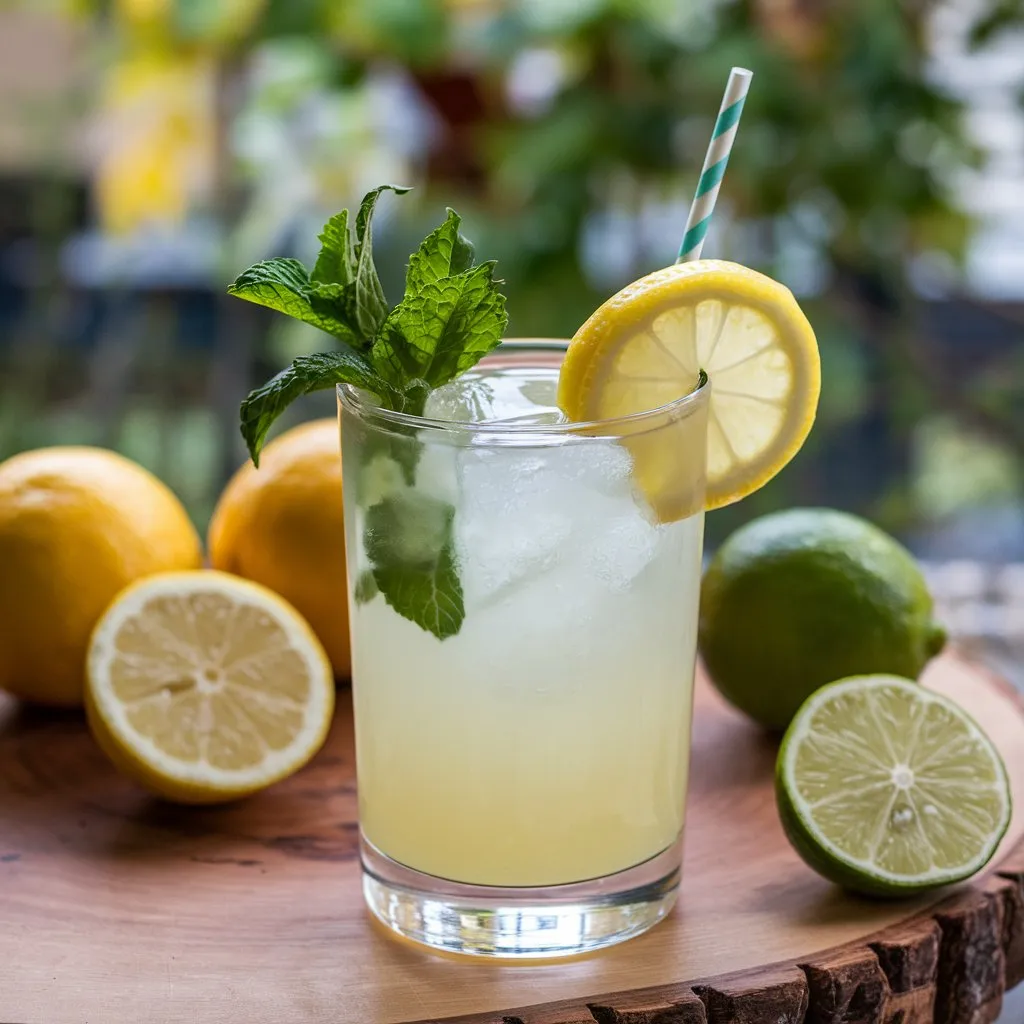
pixel 206 687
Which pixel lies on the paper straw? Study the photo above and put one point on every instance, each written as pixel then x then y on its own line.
pixel 714 164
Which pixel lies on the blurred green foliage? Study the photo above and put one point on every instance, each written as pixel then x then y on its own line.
pixel 841 179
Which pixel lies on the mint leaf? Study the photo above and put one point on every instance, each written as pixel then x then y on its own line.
pixel 407 527
pixel 414 397
pixel 442 253
pixel 333 280
pixel 336 263
pixel 338 301
pixel 306 374
pixel 441 328
pixel 366 588
pixel 430 596
pixel 344 280
pixel 370 306
pixel 408 539
pixel 284 284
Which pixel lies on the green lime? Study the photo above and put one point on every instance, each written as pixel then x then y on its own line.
pixel 889 789
pixel 796 599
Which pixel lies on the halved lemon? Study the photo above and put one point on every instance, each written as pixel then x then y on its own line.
pixel 205 687
pixel 646 346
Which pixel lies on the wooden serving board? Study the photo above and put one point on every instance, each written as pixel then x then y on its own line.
pixel 117 909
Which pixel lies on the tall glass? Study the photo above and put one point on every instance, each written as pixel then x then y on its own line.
pixel 522 783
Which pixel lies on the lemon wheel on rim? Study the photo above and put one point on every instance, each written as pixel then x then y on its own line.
pixel 646 346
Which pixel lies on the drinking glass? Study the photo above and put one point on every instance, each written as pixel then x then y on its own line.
pixel 522 782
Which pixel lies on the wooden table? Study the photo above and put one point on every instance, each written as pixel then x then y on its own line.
pixel 117 908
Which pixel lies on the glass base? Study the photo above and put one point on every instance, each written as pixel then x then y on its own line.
pixel 520 923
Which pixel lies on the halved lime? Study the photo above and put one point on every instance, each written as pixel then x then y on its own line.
pixel 888 788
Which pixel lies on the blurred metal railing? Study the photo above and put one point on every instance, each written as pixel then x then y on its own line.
pixel 982 606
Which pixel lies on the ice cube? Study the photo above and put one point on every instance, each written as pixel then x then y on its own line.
pixel 500 396
pixel 522 514
pixel 544 617
pixel 604 467
pixel 496 553
pixel 628 544
pixel 467 399
pixel 437 472
pixel 506 527
pixel 499 480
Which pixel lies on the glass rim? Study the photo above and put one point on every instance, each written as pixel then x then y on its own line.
pixel 352 398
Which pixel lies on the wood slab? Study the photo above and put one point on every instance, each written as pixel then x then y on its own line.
pixel 118 909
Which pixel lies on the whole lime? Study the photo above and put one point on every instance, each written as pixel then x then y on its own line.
pixel 800 598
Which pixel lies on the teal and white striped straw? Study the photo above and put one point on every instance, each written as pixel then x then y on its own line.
pixel 714 164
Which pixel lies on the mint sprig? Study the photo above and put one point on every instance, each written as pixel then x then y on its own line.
pixel 306 374
pixel 450 316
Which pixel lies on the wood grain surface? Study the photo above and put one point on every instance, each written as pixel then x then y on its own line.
pixel 117 908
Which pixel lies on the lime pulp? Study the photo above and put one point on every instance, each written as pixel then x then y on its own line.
pixel 888 788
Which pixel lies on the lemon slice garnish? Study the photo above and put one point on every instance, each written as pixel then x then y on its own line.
pixel 645 347
pixel 206 687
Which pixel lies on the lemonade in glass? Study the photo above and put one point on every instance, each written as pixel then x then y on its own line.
pixel 532 767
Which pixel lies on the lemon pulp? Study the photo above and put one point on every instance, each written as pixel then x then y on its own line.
pixel 206 687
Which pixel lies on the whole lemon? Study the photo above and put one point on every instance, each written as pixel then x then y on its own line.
pixel 282 525
pixel 77 525
pixel 801 598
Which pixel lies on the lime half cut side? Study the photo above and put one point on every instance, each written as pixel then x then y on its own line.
pixel 890 789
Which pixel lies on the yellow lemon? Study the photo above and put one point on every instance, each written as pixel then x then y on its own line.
pixel 160 133
pixel 281 525
pixel 645 347
pixel 77 525
pixel 205 687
